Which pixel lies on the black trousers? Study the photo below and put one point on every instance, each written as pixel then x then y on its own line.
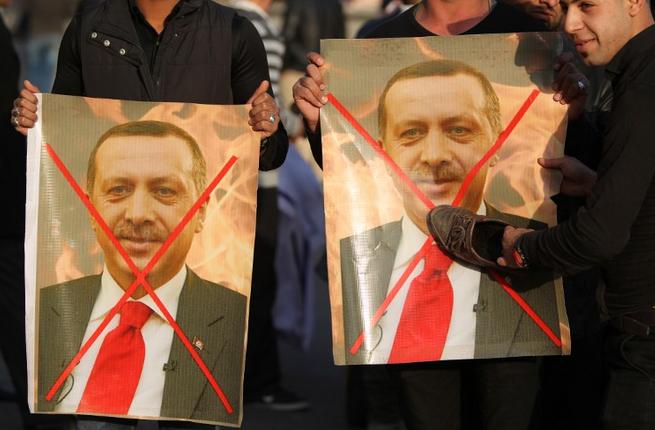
pixel 12 340
pixel 630 389
pixel 497 394
pixel 262 371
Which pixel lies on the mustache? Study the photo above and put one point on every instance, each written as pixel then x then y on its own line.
pixel 146 232
pixel 449 173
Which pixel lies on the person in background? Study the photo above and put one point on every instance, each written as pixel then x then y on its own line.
pixel 390 9
pixel 45 23
pixel 262 373
pixel 12 228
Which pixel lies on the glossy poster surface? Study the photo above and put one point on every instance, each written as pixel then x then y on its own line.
pixel 417 122
pixel 139 239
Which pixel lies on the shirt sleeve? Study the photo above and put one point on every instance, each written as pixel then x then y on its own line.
pixel 602 228
pixel 249 69
pixel 68 79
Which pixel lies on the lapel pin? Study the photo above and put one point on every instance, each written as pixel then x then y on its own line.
pixel 198 343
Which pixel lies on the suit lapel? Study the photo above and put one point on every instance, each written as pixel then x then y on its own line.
pixel 373 254
pixel 63 321
pixel 185 381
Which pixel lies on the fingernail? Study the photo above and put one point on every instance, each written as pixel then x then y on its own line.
pixel 323 87
pixel 324 99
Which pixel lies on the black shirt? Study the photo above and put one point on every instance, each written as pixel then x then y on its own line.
pixel 616 228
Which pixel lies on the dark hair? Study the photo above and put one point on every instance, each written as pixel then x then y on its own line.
pixel 444 68
pixel 155 129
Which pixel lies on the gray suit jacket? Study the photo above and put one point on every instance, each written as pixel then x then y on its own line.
pixel 502 327
pixel 208 311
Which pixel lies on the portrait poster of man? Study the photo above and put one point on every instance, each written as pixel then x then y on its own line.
pixel 419 122
pixel 139 247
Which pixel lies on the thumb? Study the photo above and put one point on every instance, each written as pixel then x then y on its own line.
pixel 261 89
pixel 31 87
pixel 551 163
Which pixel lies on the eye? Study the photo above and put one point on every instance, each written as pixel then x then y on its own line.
pixel 459 131
pixel 585 6
pixel 165 192
pixel 118 190
pixel 412 134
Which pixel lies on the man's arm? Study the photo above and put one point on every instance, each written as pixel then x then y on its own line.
pixel 602 228
pixel 249 70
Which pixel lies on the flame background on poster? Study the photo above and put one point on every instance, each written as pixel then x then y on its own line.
pixel 221 253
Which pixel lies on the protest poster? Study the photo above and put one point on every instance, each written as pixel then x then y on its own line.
pixel 139 246
pixel 417 122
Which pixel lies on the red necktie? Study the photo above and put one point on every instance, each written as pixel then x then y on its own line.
pixel 116 372
pixel 425 319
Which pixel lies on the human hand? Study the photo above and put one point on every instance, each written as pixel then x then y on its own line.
pixel 23 115
pixel 510 236
pixel 577 179
pixel 570 85
pixel 310 92
pixel 264 114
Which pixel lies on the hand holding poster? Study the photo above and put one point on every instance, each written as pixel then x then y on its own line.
pixel 139 253
pixel 415 123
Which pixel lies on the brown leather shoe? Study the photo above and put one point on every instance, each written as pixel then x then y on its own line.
pixel 467 236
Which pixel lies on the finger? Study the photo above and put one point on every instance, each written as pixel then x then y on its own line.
pixel 551 163
pixel 31 87
pixel 315 58
pixel 264 98
pixel 267 109
pixel 315 75
pixel 26 94
pixel 265 127
pixel 561 60
pixel 22 130
pixel 501 261
pixel 25 113
pixel 25 123
pixel 263 116
pixel 261 89
pixel 314 87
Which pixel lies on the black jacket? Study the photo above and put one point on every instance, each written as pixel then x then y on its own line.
pixel 206 54
pixel 12 144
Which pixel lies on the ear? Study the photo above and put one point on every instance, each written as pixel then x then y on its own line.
pixel 202 213
pixel 94 224
pixel 636 6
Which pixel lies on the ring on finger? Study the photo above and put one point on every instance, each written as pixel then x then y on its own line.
pixel 581 85
pixel 271 118
pixel 15 121
pixel 15 112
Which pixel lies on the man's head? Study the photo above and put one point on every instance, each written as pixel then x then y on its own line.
pixel 436 120
pixel 143 177
pixel 600 28
pixel 547 11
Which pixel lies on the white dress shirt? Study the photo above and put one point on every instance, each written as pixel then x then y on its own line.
pixel 157 335
pixel 460 342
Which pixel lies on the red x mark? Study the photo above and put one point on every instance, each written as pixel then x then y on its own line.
pixel 140 276
pixel 456 202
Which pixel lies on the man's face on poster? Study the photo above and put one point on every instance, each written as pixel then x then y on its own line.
pixel 437 129
pixel 143 188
